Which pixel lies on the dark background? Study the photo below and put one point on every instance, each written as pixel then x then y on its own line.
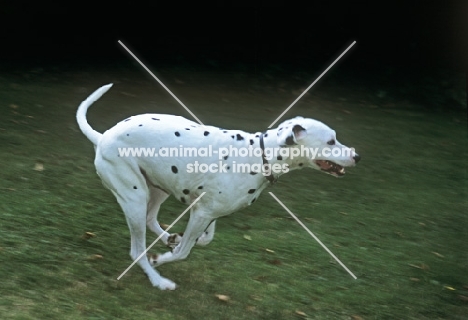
pixel 420 34
pixel 417 47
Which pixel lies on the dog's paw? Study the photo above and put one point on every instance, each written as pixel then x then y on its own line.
pixel 158 259
pixel 166 284
pixel 153 259
pixel 174 239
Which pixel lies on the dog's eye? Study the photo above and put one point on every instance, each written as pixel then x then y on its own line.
pixel 331 142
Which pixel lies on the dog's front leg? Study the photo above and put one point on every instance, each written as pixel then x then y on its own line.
pixel 196 226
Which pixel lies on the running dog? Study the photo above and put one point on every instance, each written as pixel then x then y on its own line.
pixel 142 183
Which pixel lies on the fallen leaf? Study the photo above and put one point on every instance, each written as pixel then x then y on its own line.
pixel 9 189
pixel 14 106
pixel 95 257
pixel 422 224
pixel 450 288
pixel 300 313
pixel 415 279
pixel 270 251
pixel 346 111
pixel 88 235
pixel 247 237
pixel 39 166
pixel 344 213
pixel 222 297
pixel 437 254
pixel 422 266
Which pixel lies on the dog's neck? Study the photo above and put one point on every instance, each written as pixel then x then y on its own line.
pixel 270 142
pixel 270 177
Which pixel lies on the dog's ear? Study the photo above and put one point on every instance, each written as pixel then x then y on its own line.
pixel 289 134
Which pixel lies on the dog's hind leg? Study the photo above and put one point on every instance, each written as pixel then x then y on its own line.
pixel 157 197
pixel 129 187
pixel 206 237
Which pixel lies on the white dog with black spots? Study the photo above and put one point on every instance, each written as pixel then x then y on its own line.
pixel 142 184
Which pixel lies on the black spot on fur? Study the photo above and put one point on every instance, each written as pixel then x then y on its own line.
pixel 239 137
pixel 155 119
pixel 265 135
pixel 253 200
pixel 225 157
pixel 279 158
pixel 140 125
pixel 128 134
pixel 280 129
pixel 256 136
pixel 228 167
pixel 220 192
pixel 252 190
pixel 200 187
pixel 186 191
pixel 135 187
pixel 206 133
pixel 251 142
pixel 224 131
pixel 182 199
pixel 177 134
pixel 301 164
pixel 253 173
pixel 290 141
pixel 187 129
pixel 232 137
pixel 127 120
pixel 174 169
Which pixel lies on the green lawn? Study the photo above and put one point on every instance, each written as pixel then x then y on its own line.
pixel 398 220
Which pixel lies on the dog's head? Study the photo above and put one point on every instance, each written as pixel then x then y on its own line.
pixel 325 153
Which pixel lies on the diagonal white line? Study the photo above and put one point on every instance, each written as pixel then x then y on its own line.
pixel 162 84
pixel 313 235
pixel 157 239
pixel 305 91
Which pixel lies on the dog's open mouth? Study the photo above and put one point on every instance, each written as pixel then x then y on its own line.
pixel 330 167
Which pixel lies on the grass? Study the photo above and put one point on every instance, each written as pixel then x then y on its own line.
pixel 398 220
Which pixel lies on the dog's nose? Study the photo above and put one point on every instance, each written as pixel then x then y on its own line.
pixel 356 158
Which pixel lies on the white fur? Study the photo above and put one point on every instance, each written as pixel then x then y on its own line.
pixel 142 184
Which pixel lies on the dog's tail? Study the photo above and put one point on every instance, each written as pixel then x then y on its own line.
pixel 89 132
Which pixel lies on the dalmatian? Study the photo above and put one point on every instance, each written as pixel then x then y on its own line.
pixel 142 183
